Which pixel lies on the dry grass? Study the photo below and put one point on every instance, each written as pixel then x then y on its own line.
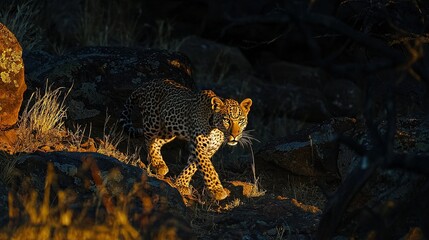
pixel 76 136
pixel 41 122
pixel 7 169
pixel 163 35
pixel 20 20
pixel 306 192
pixel 257 190
pixel 107 24
pixel 112 137
pixel 47 112
pixel 164 38
pixel 45 220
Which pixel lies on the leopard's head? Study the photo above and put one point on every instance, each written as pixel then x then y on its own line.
pixel 231 118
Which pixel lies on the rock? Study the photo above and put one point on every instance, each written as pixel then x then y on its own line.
pixel 7 140
pixel 344 98
pixel 412 136
pixel 213 61
pixel 295 102
pixel 35 60
pixel 104 77
pixel 310 152
pixel 12 84
pixel 82 174
pixel 72 167
pixel 302 76
pixel 258 218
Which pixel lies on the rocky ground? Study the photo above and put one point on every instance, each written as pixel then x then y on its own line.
pixel 326 161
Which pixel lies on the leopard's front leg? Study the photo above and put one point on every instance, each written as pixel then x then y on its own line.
pixel 205 149
pixel 183 180
pixel 202 148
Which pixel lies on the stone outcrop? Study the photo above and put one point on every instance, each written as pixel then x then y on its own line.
pixel 311 152
pixel 12 84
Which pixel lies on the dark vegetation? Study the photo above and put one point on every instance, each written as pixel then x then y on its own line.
pixel 340 92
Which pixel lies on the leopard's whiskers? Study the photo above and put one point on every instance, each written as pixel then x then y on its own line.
pixel 247 138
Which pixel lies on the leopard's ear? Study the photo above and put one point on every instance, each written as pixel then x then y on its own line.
pixel 245 104
pixel 217 104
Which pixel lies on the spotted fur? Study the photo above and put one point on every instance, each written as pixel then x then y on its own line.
pixel 170 110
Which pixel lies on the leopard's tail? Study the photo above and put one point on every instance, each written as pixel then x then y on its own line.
pixel 126 117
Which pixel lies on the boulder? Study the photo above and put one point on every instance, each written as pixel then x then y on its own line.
pixel 311 152
pixel 86 176
pixel 300 103
pixel 283 73
pixel 12 84
pixel 74 168
pixel 214 62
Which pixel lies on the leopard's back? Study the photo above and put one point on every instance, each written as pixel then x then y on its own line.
pixel 160 102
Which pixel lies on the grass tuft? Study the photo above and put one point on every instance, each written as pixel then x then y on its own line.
pixel 112 137
pixel 257 190
pixel 7 169
pixel 42 121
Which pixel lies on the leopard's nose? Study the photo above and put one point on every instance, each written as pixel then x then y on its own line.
pixel 232 141
pixel 233 138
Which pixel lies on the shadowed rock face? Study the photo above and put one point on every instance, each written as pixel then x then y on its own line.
pixel 310 152
pixel 12 85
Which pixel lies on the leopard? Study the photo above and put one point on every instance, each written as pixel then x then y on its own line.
pixel 169 110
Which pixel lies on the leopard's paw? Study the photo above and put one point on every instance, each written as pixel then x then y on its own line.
pixel 161 169
pixel 220 193
pixel 184 190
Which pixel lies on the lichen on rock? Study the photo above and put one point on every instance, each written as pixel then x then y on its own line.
pixel 12 84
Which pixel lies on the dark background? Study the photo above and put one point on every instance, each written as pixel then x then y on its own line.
pixel 304 63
